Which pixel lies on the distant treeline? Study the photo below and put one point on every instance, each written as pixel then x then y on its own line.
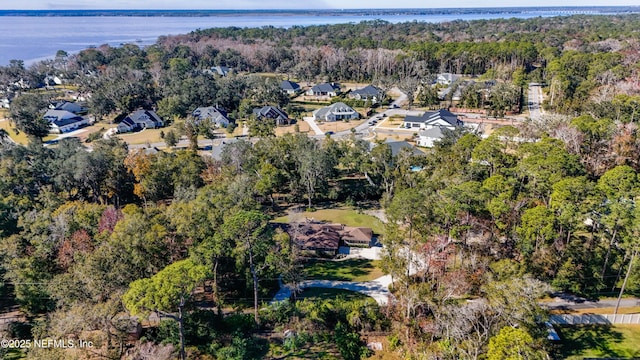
pixel 363 12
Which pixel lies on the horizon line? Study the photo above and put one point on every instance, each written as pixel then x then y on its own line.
pixel 335 9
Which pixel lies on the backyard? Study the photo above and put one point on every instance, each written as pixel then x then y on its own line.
pixel 337 126
pixel 343 270
pixel 20 138
pixel 598 341
pixel 346 216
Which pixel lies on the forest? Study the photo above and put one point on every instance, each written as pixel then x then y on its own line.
pixel 95 243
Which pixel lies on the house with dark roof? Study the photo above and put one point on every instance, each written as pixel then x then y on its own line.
pixel 272 113
pixel 212 114
pixel 432 119
pixel 432 126
pixel 368 92
pixel 334 112
pixel 140 119
pixel 324 90
pixel 63 121
pixel 127 125
pixel 289 87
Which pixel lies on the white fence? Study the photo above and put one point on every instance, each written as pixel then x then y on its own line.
pixel 604 319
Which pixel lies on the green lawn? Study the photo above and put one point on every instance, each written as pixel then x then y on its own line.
pixel 617 341
pixel 20 138
pixel 315 294
pixel 315 351
pixel 347 217
pixel 346 270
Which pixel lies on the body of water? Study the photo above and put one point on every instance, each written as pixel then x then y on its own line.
pixel 37 36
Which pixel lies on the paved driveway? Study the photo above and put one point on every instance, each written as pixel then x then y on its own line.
pixel 313 125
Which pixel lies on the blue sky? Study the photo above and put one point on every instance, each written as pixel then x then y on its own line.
pixel 284 4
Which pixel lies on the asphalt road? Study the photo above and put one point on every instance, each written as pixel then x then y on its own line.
pixel 566 301
pixel 535 100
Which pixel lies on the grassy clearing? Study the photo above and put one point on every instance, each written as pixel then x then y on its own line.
pixel 396 137
pixel 145 136
pixel 346 270
pixel 315 294
pixel 337 126
pixel 347 217
pixel 619 341
pixel 20 137
pixel 317 351
pixel 303 127
pixel 393 121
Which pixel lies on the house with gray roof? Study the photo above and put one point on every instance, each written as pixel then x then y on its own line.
pixel 290 87
pixel 70 106
pixel 63 121
pixel 336 111
pixel 221 70
pixel 446 78
pixel 430 119
pixel 272 113
pixel 140 119
pixel 368 92
pixel 324 90
pixel 433 125
pixel 213 114
pixel 427 138
pixel 127 125
pixel 397 147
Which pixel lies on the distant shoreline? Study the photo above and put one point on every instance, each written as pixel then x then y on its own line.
pixel 36 35
pixel 324 12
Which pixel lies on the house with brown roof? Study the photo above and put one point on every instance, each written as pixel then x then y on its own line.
pixel 357 236
pixel 327 238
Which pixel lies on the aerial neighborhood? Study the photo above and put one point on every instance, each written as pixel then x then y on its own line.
pixel 372 190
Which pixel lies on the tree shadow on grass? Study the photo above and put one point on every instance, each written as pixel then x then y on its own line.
pixel 576 340
pixel 345 270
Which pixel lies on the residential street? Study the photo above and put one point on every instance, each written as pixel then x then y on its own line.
pixel 535 101
pixel 567 302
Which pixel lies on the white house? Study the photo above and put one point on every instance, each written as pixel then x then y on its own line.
pixel 324 90
pixel 368 92
pixel 140 119
pixel 430 119
pixel 290 87
pixel 337 111
pixel 213 114
pixel 70 106
pixel 272 113
pixel 446 78
pixel 432 125
pixel 427 138
pixel 63 121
